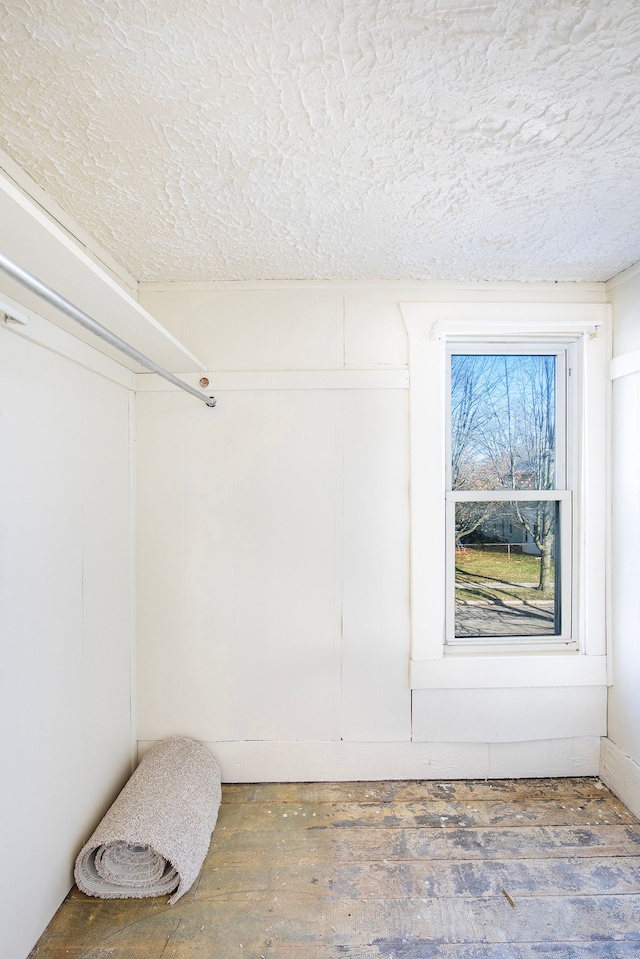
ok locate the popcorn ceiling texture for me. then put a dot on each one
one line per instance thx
(349, 139)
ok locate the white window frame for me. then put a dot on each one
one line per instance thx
(576, 659)
(567, 362)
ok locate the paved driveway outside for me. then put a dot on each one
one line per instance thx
(497, 619)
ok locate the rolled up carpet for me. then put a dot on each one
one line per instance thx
(154, 838)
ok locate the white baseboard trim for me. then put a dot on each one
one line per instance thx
(344, 761)
(621, 774)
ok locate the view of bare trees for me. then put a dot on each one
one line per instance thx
(503, 436)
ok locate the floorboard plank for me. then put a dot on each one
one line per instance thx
(459, 790)
(415, 880)
(364, 844)
(436, 812)
(250, 926)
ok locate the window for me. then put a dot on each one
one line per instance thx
(508, 493)
(508, 515)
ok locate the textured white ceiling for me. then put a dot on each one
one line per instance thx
(347, 139)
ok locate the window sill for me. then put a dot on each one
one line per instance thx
(516, 670)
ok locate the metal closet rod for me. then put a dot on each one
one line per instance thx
(32, 283)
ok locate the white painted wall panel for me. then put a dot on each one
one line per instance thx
(41, 630)
(238, 619)
(169, 309)
(210, 321)
(624, 712)
(257, 331)
(274, 553)
(374, 331)
(624, 694)
(376, 699)
(307, 618)
(310, 334)
(231, 567)
(107, 609)
(626, 319)
(241, 590)
(508, 715)
(160, 581)
(65, 623)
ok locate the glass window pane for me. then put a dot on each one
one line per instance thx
(506, 569)
(503, 421)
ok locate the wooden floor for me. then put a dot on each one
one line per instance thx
(404, 870)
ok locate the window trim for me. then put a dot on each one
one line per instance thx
(430, 326)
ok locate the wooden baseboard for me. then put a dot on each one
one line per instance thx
(345, 761)
(621, 774)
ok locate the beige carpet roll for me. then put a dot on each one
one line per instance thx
(153, 840)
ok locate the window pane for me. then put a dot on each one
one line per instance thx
(503, 421)
(506, 575)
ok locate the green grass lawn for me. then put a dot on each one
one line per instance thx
(493, 574)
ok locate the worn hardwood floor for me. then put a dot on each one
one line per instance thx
(393, 870)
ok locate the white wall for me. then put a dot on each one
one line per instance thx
(65, 622)
(621, 751)
(273, 551)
